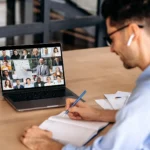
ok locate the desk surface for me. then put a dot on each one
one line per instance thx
(97, 70)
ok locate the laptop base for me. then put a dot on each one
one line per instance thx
(36, 104)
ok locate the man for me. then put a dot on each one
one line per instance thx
(18, 85)
(56, 62)
(4, 56)
(39, 83)
(7, 75)
(41, 69)
(46, 52)
(25, 54)
(128, 28)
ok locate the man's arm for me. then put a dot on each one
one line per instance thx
(83, 111)
(34, 69)
(107, 115)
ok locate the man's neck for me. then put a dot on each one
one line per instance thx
(144, 59)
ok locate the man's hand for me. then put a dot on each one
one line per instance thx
(36, 139)
(82, 111)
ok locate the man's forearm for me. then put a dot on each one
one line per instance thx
(107, 115)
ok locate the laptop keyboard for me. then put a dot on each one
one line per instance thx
(37, 95)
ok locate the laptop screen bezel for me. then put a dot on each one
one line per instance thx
(35, 46)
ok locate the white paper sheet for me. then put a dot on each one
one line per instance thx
(104, 104)
(122, 94)
(115, 101)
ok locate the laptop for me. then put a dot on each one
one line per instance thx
(32, 76)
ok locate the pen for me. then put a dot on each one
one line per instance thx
(118, 97)
(77, 100)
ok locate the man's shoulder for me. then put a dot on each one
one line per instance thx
(137, 105)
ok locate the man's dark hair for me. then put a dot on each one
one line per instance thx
(121, 11)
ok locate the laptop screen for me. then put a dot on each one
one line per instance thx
(31, 67)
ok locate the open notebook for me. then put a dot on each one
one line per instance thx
(68, 131)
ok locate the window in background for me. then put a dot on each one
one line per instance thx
(76, 38)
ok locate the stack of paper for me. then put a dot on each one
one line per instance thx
(114, 101)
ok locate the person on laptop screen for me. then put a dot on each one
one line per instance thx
(35, 53)
(4, 56)
(39, 83)
(49, 83)
(6, 66)
(28, 83)
(41, 69)
(15, 55)
(6, 75)
(25, 54)
(59, 81)
(46, 52)
(18, 85)
(55, 52)
(56, 62)
(58, 72)
(7, 85)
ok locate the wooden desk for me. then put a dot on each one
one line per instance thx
(97, 70)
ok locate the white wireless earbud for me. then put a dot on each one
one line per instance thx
(130, 40)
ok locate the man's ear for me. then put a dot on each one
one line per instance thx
(134, 29)
(133, 33)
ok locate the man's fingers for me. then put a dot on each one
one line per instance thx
(34, 127)
(75, 110)
(75, 117)
(29, 127)
(70, 101)
(70, 115)
(79, 118)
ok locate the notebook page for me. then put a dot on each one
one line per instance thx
(68, 133)
(85, 124)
